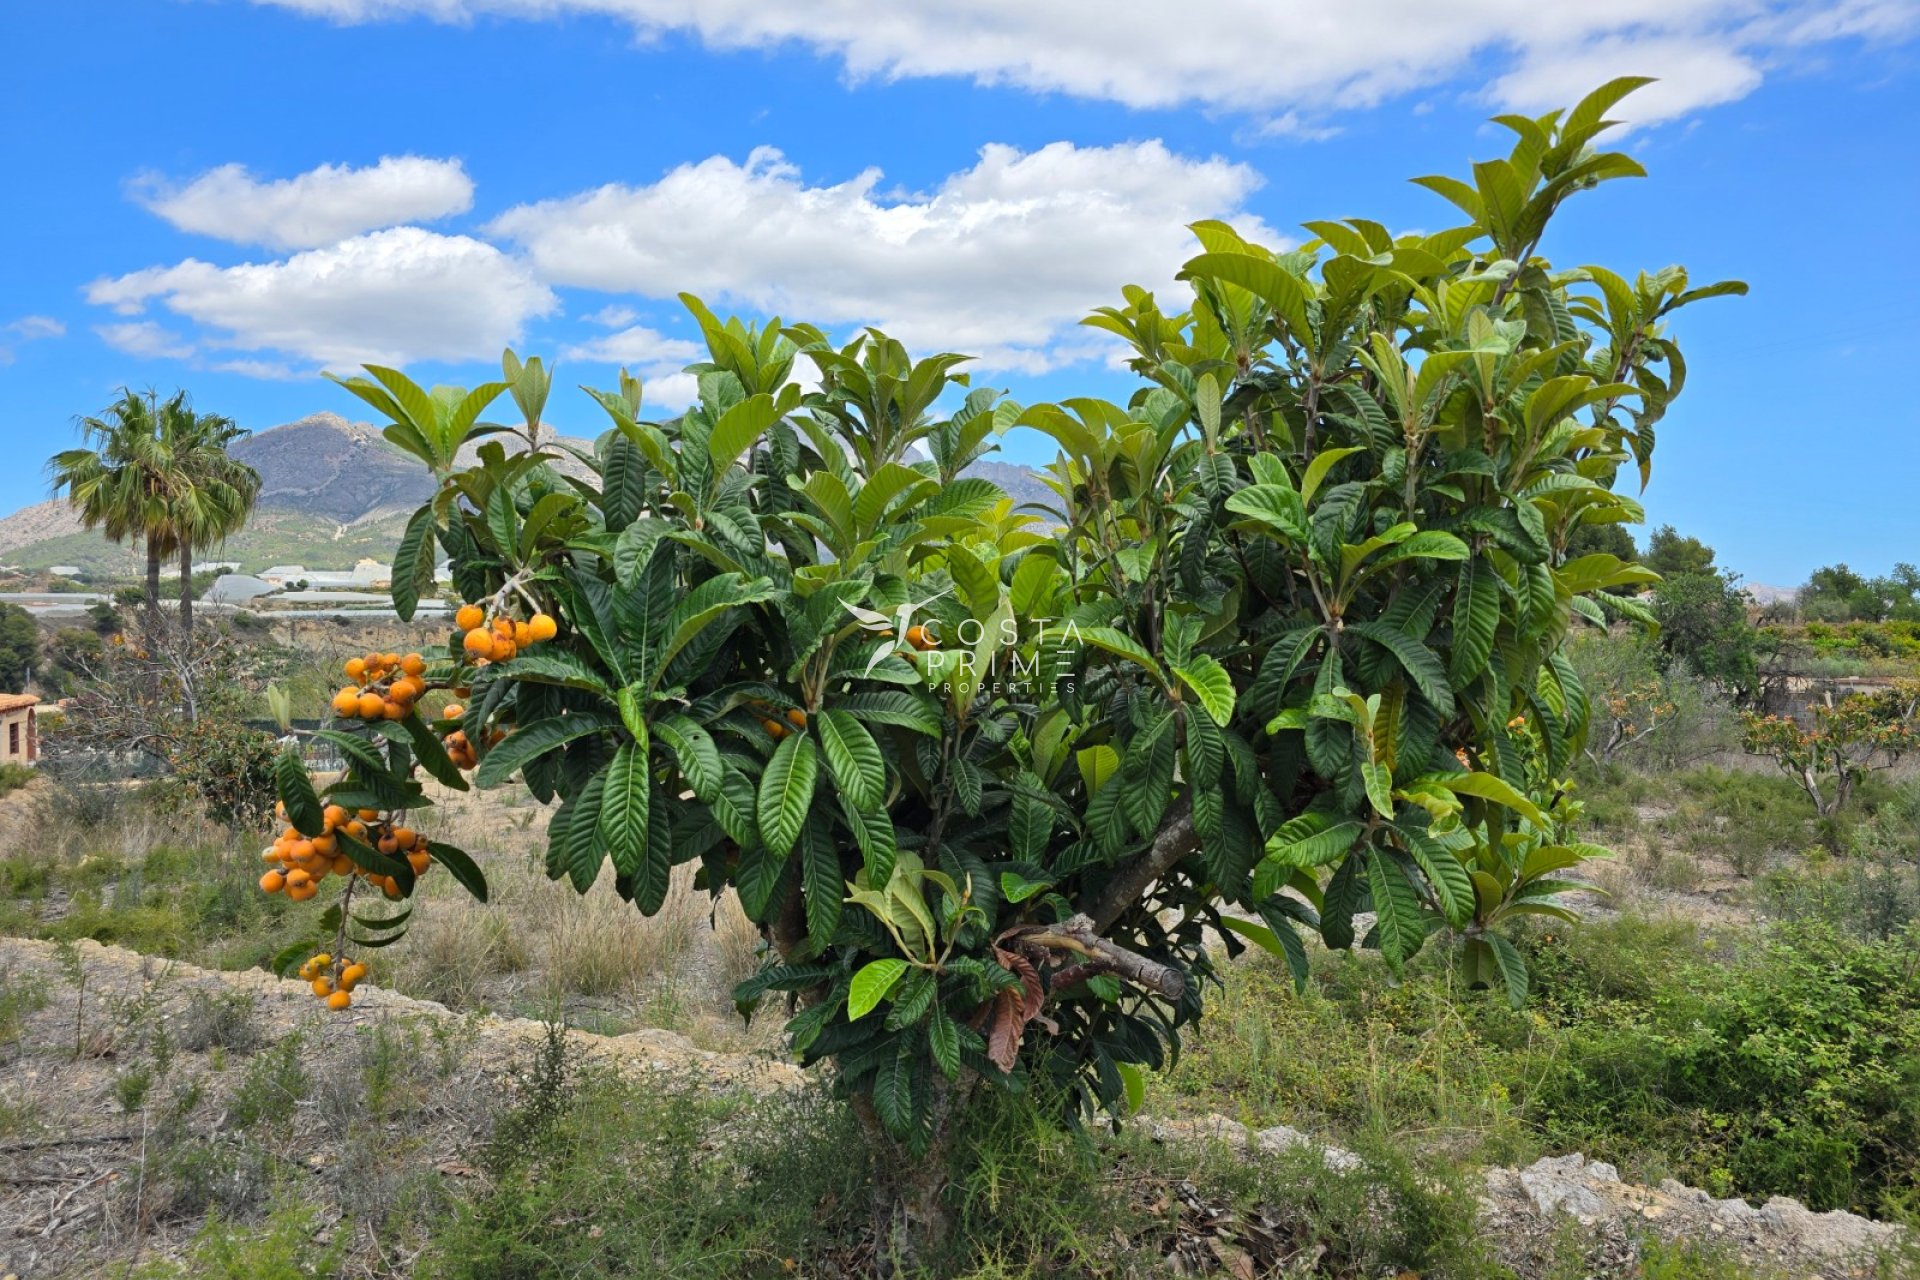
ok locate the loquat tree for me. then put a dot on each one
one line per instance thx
(1846, 739)
(1284, 653)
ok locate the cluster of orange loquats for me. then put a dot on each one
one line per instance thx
(385, 687)
(333, 980)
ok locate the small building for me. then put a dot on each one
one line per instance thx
(283, 575)
(19, 728)
(65, 570)
(236, 588)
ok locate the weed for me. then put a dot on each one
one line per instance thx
(283, 1248)
(276, 1080)
(218, 1020)
(20, 995)
(130, 1088)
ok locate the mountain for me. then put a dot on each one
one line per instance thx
(331, 492)
(1023, 484)
(326, 466)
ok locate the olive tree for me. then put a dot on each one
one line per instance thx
(1284, 652)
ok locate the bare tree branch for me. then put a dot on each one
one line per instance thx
(1174, 841)
(1079, 936)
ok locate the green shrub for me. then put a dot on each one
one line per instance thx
(15, 776)
(1774, 1063)
(1789, 1069)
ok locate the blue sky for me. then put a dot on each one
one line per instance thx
(231, 196)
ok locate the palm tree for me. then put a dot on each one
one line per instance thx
(159, 473)
(117, 486)
(213, 494)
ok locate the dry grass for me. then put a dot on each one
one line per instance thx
(537, 946)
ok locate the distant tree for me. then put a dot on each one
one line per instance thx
(1670, 555)
(1838, 594)
(67, 658)
(19, 648)
(1601, 539)
(1703, 623)
(1903, 593)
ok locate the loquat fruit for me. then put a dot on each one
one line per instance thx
(469, 617)
(542, 627)
(273, 882)
(339, 1000)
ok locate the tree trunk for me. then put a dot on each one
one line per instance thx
(186, 591)
(153, 584)
(913, 1219)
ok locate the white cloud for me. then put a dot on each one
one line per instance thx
(1251, 55)
(27, 329)
(668, 391)
(32, 328)
(145, 339)
(387, 297)
(315, 208)
(612, 317)
(638, 347)
(270, 370)
(1000, 261)
(1691, 73)
(655, 358)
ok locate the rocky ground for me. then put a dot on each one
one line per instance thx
(110, 1060)
(1524, 1207)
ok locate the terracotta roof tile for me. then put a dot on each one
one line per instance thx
(15, 701)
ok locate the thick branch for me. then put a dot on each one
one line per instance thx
(1079, 935)
(1174, 841)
